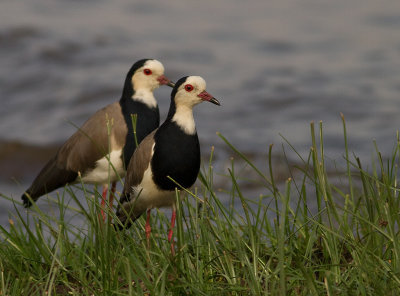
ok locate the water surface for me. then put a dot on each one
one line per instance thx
(274, 65)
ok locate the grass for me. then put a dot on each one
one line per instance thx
(274, 245)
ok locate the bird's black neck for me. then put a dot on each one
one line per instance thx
(172, 110)
(128, 91)
(148, 119)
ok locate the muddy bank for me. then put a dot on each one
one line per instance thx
(20, 161)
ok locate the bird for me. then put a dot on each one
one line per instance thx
(170, 152)
(100, 150)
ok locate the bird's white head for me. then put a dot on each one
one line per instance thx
(190, 91)
(149, 76)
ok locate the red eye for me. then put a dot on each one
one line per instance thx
(188, 87)
(147, 71)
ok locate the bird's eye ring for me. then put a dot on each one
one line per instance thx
(188, 87)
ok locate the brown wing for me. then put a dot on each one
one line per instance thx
(81, 151)
(91, 142)
(139, 163)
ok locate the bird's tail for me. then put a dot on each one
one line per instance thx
(50, 178)
(126, 212)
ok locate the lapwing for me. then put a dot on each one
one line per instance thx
(168, 156)
(100, 150)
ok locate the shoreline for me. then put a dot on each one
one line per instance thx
(19, 160)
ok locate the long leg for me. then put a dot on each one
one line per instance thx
(171, 231)
(111, 198)
(148, 227)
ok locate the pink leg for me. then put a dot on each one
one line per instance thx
(171, 231)
(103, 202)
(148, 227)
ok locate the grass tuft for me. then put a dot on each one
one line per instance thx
(226, 243)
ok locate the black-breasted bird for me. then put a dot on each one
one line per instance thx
(171, 151)
(100, 150)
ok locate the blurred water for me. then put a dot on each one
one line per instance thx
(275, 66)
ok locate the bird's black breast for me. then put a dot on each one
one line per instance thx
(176, 154)
(148, 119)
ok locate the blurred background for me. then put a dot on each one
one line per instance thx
(274, 65)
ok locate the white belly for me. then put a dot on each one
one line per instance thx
(147, 195)
(110, 168)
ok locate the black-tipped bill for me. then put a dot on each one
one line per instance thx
(165, 81)
(205, 96)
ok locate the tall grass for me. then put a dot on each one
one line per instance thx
(226, 243)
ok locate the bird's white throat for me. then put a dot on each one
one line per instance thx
(145, 96)
(184, 119)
